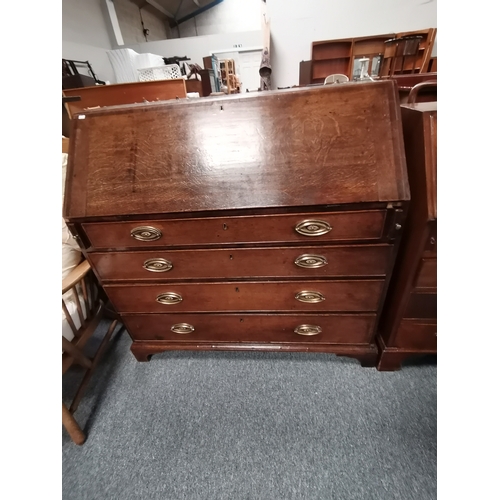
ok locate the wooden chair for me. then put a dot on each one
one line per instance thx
(83, 308)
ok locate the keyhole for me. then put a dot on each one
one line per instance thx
(222, 108)
(230, 257)
(224, 226)
(241, 321)
(237, 289)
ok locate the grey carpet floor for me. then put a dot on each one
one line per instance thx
(248, 425)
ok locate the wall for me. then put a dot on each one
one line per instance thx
(129, 19)
(200, 46)
(295, 24)
(230, 16)
(85, 35)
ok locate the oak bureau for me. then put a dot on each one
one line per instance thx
(408, 323)
(263, 221)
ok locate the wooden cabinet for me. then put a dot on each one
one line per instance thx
(124, 93)
(409, 320)
(267, 221)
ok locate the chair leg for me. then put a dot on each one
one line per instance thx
(72, 426)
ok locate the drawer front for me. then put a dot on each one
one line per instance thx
(427, 274)
(417, 335)
(305, 228)
(299, 262)
(312, 296)
(422, 305)
(337, 329)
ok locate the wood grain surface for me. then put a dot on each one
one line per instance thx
(361, 261)
(335, 328)
(362, 295)
(307, 146)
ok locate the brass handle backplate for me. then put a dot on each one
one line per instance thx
(157, 265)
(169, 298)
(182, 328)
(310, 261)
(313, 227)
(310, 297)
(308, 330)
(146, 233)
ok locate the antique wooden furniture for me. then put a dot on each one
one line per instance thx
(265, 221)
(343, 55)
(400, 56)
(124, 93)
(407, 83)
(82, 309)
(408, 324)
(305, 72)
(79, 290)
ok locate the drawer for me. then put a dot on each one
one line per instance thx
(416, 335)
(323, 328)
(296, 262)
(427, 274)
(321, 296)
(317, 227)
(421, 305)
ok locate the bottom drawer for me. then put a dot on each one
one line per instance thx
(418, 335)
(322, 328)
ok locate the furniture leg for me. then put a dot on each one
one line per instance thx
(72, 426)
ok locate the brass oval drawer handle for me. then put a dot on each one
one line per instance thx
(313, 227)
(307, 330)
(182, 328)
(310, 297)
(146, 233)
(157, 265)
(169, 298)
(310, 261)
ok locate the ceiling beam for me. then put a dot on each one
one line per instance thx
(157, 6)
(199, 11)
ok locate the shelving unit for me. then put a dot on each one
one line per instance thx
(341, 55)
(329, 57)
(371, 48)
(424, 50)
(228, 75)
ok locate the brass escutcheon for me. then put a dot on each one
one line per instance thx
(157, 265)
(169, 298)
(308, 330)
(310, 261)
(310, 297)
(313, 227)
(146, 233)
(182, 328)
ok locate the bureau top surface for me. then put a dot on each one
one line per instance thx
(335, 144)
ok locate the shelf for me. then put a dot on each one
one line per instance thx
(331, 50)
(337, 56)
(331, 58)
(321, 69)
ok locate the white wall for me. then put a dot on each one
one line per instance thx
(129, 19)
(200, 46)
(295, 24)
(230, 16)
(85, 35)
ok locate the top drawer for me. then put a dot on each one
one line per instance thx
(310, 227)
